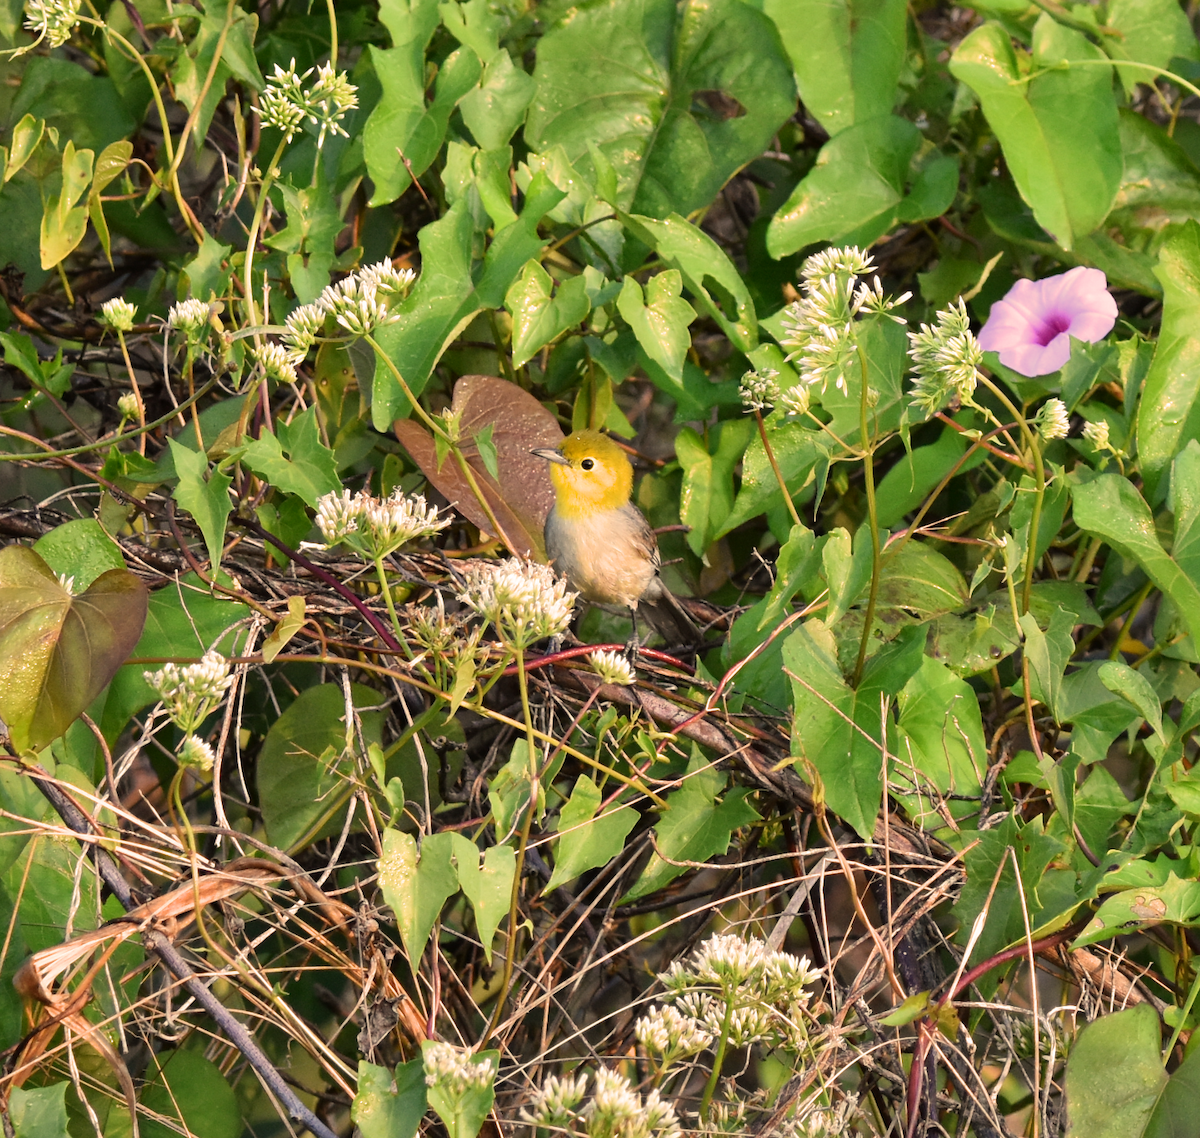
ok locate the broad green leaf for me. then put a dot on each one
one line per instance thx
(1185, 505)
(539, 318)
(838, 729)
(183, 620)
(904, 487)
(1134, 688)
(489, 889)
(846, 567)
(58, 651)
(659, 319)
(475, 24)
(207, 500)
(1159, 192)
(222, 27)
(80, 550)
(285, 629)
(1149, 31)
(1116, 1086)
(401, 126)
(447, 297)
(40, 1112)
(306, 767)
(586, 840)
(1115, 1075)
(797, 450)
(206, 276)
(1109, 507)
(313, 222)
(1058, 129)
(25, 138)
(1049, 653)
(921, 581)
(847, 55)
(939, 743)
(1169, 408)
(707, 494)
(387, 1105)
(310, 469)
(1008, 913)
(865, 180)
(109, 166)
(463, 1109)
(64, 223)
(439, 306)
(697, 824)
(416, 884)
(190, 1092)
(513, 247)
(707, 271)
(1175, 901)
(674, 99)
(494, 109)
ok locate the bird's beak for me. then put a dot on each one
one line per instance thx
(551, 455)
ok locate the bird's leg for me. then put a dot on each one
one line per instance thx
(633, 645)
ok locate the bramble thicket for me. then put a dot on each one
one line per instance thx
(327, 807)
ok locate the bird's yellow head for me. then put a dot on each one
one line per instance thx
(590, 474)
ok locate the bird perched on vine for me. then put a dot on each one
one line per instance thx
(601, 542)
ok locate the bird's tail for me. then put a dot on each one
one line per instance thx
(664, 613)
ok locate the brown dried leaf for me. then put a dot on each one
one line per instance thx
(523, 497)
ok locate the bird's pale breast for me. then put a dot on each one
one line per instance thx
(609, 557)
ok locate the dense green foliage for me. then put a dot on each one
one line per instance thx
(271, 272)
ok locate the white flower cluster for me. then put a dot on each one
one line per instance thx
(275, 361)
(52, 20)
(286, 104)
(759, 992)
(359, 304)
(524, 601)
(612, 667)
(795, 400)
(301, 329)
(1052, 420)
(118, 314)
(758, 388)
(374, 527)
(191, 317)
(945, 357)
(190, 693)
(127, 405)
(819, 328)
(455, 1071)
(356, 305)
(1096, 433)
(667, 1033)
(196, 753)
(615, 1109)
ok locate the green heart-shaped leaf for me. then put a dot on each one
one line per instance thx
(57, 651)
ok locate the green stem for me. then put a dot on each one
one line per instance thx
(762, 434)
(510, 950)
(722, 1044)
(333, 36)
(1039, 477)
(387, 597)
(255, 225)
(137, 393)
(872, 519)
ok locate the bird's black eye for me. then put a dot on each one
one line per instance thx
(587, 464)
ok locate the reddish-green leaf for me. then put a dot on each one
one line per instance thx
(57, 651)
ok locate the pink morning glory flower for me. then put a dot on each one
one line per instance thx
(1031, 327)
